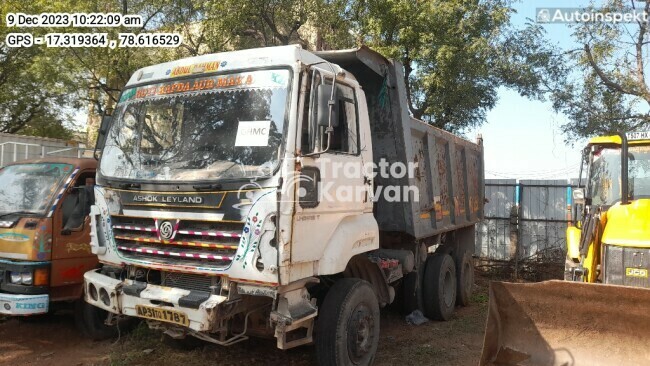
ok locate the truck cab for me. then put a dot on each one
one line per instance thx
(44, 233)
(240, 194)
(611, 241)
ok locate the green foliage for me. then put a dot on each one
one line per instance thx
(456, 54)
(607, 91)
(31, 97)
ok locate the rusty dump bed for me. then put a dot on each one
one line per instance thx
(567, 323)
(449, 174)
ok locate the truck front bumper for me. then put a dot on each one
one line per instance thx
(11, 304)
(125, 297)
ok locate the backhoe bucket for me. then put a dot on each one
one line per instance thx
(567, 323)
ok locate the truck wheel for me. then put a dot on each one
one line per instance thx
(439, 287)
(347, 328)
(90, 321)
(464, 278)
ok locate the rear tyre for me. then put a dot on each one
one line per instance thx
(439, 287)
(90, 320)
(347, 328)
(464, 278)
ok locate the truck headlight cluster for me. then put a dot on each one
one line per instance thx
(37, 277)
(22, 278)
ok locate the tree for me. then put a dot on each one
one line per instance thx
(608, 92)
(456, 54)
(30, 95)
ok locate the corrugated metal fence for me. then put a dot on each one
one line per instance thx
(15, 148)
(525, 219)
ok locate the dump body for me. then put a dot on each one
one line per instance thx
(448, 173)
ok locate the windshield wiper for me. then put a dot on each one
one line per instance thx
(19, 213)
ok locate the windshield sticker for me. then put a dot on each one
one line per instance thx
(253, 133)
(197, 85)
(194, 69)
(252, 80)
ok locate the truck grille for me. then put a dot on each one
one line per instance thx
(627, 266)
(189, 281)
(193, 243)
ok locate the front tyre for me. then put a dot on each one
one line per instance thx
(347, 329)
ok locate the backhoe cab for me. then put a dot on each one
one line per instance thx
(610, 242)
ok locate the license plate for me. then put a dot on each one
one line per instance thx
(165, 315)
(636, 272)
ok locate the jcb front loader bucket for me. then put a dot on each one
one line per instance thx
(567, 323)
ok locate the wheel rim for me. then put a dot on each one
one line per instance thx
(361, 326)
(448, 289)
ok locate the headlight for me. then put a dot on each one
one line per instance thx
(22, 278)
(27, 277)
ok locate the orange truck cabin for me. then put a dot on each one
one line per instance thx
(44, 233)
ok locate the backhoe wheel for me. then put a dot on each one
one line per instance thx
(439, 287)
(464, 278)
(90, 321)
(347, 329)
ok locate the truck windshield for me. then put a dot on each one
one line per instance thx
(203, 128)
(605, 175)
(30, 188)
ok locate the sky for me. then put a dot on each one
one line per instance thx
(523, 138)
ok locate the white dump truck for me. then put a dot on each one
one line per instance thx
(277, 192)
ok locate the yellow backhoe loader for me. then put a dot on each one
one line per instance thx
(600, 313)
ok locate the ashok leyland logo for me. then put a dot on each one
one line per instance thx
(166, 230)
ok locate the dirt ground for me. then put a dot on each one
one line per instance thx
(54, 341)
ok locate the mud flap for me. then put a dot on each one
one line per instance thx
(566, 323)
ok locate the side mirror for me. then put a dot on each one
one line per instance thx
(578, 196)
(325, 99)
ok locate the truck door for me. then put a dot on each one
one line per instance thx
(71, 256)
(331, 187)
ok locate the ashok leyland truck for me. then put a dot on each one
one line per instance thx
(277, 192)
